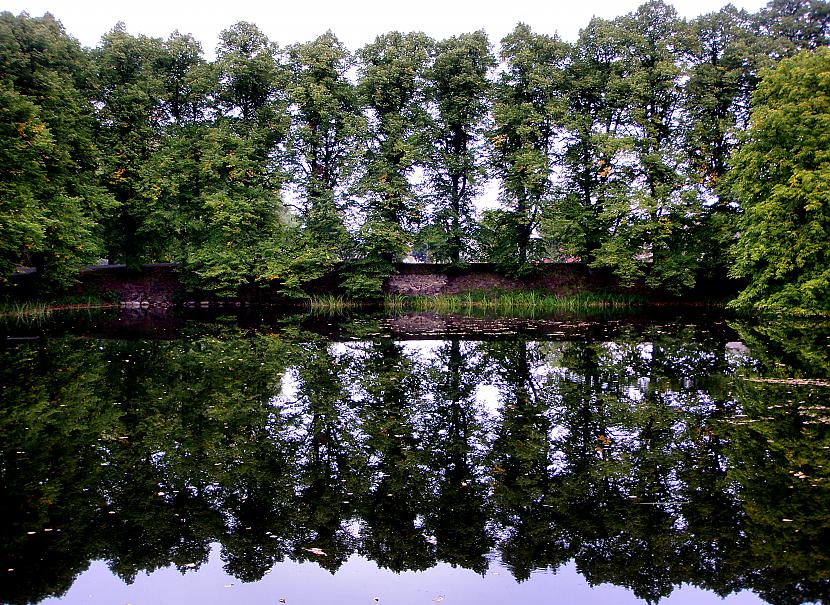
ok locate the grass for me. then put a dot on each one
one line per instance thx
(330, 304)
(528, 302)
(36, 310)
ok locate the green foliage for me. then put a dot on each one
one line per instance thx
(455, 158)
(527, 104)
(325, 136)
(127, 92)
(49, 191)
(614, 150)
(780, 176)
(391, 87)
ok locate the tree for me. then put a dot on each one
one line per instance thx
(594, 170)
(128, 94)
(793, 25)
(248, 71)
(457, 89)
(326, 131)
(390, 82)
(652, 227)
(724, 62)
(50, 194)
(781, 177)
(526, 108)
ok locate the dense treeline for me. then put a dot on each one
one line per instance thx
(272, 164)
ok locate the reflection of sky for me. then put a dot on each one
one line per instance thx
(360, 582)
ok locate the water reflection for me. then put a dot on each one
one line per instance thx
(668, 454)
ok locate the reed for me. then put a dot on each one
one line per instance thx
(330, 304)
(36, 310)
(513, 302)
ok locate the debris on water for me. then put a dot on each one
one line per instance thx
(438, 599)
(317, 551)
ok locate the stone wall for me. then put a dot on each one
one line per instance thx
(426, 280)
(156, 285)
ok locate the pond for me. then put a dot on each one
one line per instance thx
(414, 459)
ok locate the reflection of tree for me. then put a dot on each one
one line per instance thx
(49, 467)
(778, 458)
(457, 512)
(390, 400)
(332, 470)
(521, 455)
(651, 461)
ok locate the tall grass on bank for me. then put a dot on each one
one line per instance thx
(26, 310)
(506, 303)
(36, 310)
(330, 304)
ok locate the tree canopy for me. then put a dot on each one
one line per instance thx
(781, 176)
(279, 165)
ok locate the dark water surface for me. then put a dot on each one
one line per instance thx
(414, 459)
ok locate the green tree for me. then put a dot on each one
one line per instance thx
(457, 89)
(793, 25)
(780, 176)
(324, 141)
(651, 233)
(594, 170)
(50, 195)
(248, 71)
(527, 107)
(391, 85)
(128, 94)
(723, 64)
(186, 79)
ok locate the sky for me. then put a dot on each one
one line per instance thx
(354, 22)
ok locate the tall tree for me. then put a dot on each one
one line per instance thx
(780, 176)
(455, 161)
(390, 81)
(651, 228)
(594, 167)
(527, 106)
(50, 194)
(248, 71)
(722, 73)
(793, 25)
(326, 132)
(128, 94)
(184, 78)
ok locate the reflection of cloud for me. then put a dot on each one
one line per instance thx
(487, 395)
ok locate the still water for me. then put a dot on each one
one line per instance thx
(414, 459)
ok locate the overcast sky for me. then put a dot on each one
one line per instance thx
(354, 22)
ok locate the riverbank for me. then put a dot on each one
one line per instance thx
(425, 286)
